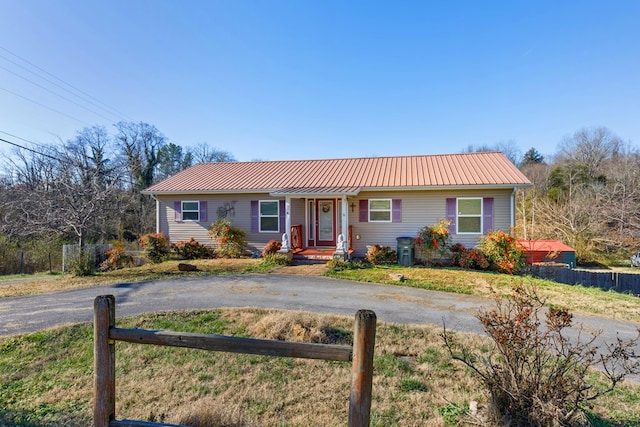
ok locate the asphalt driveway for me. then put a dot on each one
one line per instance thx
(19, 315)
(395, 304)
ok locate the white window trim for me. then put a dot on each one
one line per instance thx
(390, 210)
(182, 210)
(260, 216)
(458, 215)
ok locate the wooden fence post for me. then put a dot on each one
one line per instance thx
(362, 371)
(104, 361)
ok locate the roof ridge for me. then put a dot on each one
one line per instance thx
(363, 157)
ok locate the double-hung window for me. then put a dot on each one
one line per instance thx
(191, 210)
(469, 215)
(269, 215)
(379, 210)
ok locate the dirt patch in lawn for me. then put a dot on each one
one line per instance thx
(303, 270)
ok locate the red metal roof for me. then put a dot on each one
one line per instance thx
(545, 246)
(439, 171)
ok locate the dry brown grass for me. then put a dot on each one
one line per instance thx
(298, 327)
(39, 285)
(241, 390)
(414, 377)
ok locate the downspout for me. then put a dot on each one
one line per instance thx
(513, 207)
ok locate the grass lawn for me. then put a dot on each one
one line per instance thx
(46, 377)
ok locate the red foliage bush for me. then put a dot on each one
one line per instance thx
(271, 247)
(192, 249)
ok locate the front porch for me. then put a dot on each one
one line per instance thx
(318, 254)
(322, 231)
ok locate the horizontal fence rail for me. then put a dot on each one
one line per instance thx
(234, 344)
(606, 280)
(106, 334)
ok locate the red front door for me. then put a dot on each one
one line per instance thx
(326, 222)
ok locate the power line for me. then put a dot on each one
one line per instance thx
(113, 110)
(44, 106)
(29, 149)
(56, 94)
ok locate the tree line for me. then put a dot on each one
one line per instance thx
(587, 196)
(87, 189)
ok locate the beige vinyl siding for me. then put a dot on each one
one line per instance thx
(420, 208)
(240, 217)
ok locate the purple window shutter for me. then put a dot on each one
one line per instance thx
(283, 216)
(487, 214)
(396, 210)
(364, 210)
(254, 216)
(203, 211)
(451, 214)
(177, 214)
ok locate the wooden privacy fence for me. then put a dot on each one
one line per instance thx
(619, 282)
(106, 334)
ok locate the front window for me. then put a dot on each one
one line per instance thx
(379, 210)
(269, 215)
(470, 215)
(191, 211)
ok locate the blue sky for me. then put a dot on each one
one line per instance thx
(303, 79)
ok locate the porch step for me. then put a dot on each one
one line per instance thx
(313, 255)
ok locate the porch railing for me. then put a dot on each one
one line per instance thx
(296, 237)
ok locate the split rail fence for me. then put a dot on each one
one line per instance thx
(106, 334)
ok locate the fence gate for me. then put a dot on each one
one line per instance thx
(106, 333)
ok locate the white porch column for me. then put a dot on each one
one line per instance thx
(158, 230)
(345, 218)
(287, 208)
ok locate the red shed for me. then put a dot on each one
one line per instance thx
(548, 251)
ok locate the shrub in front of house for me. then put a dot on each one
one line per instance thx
(229, 239)
(276, 259)
(380, 255)
(468, 258)
(433, 242)
(192, 249)
(156, 247)
(503, 253)
(271, 247)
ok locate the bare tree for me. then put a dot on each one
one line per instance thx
(65, 191)
(203, 153)
(508, 148)
(140, 144)
(590, 148)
